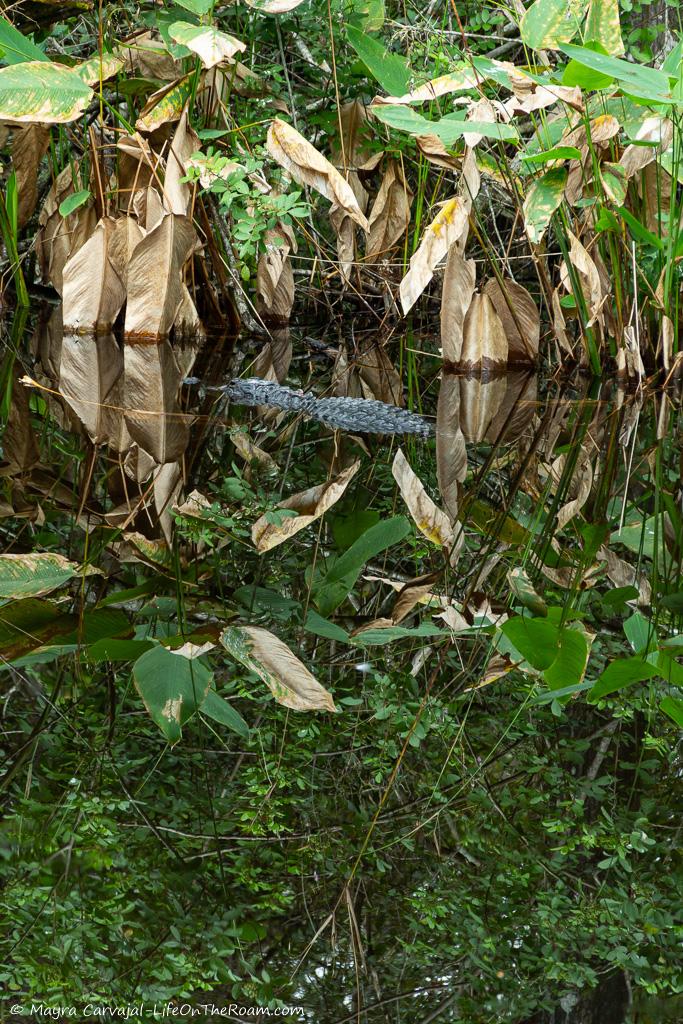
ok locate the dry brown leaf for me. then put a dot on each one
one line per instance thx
(60, 237)
(306, 165)
(152, 378)
(122, 243)
(410, 595)
(428, 517)
(451, 454)
(177, 193)
(448, 227)
(600, 130)
(19, 445)
(136, 169)
(434, 150)
(483, 111)
(93, 293)
(658, 131)
(249, 451)
(379, 377)
(520, 318)
(459, 283)
(345, 226)
(274, 275)
(589, 278)
(155, 293)
(288, 679)
(390, 214)
(623, 574)
(146, 57)
(579, 486)
(29, 146)
(484, 344)
(309, 505)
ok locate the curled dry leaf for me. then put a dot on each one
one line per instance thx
(147, 57)
(520, 318)
(309, 167)
(60, 237)
(274, 276)
(93, 292)
(378, 375)
(155, 293)
(448, 227)
(428, 517)
(459, 282)
(345, 226)
(29, 146)
(484, 344)
(288, 679)
(309, 505)
(579, 486)
(410, 595)
(390, 214)
(194, 505)
(434, 150)
(463, 78)
(658, 132)
(177, 193)
(589, 278)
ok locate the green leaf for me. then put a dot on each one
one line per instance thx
(543, 198)
(198, 7)
(537, 640)
(614, 182)
(323, 627)
(639, 632)
(448, 129)
(620, 673)
(673, 707)
(331, 590)
(639, 231)
(549, 696)
(172, 688)
(25, 625)
(33, 575)
(73, 201)
(523, 590)
(387, 634)
(585, 78)
(572, 657)
(113, 649)
(548, 23)
(390, 70)
(38, 92)
(15, 47)
(603, 27)
(221, 711)
(636, 79)
(556, 153)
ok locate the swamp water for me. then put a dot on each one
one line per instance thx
(486, 827)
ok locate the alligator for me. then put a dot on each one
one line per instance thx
(357, 415)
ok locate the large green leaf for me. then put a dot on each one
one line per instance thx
(336, 584)
(635, 79)
(40, 92)
(449, 129)
(15, 47)
(390, 70)
(33, 575)
(603, 27)
(548, 23)
(172, 688)
(543, 198)
(673, 707)
(221, 711)
(537, 640)
(620, 673)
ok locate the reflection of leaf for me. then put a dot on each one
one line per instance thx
(428, 517)
(288, 679)
(40, 92)
(89, 370)
(309, 506)
(33, 575)
(151, 384)
(306, 165)
(154, 277)
(172, 687)
(210, 44)
(451, 454)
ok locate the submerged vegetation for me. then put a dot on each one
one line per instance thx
(341, 510)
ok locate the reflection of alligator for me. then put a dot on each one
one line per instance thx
(360, 415)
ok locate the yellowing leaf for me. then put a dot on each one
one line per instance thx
(274, 6)
(97, 70)
(210, 44)
(288, 679)
(549, 23)
(461, 79)
(428, 517)
(602, 26)
(165, 105)
(40, 92)
(543, 198)
(309, 506)
(449, 226)
(33, 575)
(305, 164)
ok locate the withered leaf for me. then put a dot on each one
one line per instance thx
(155, 292)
